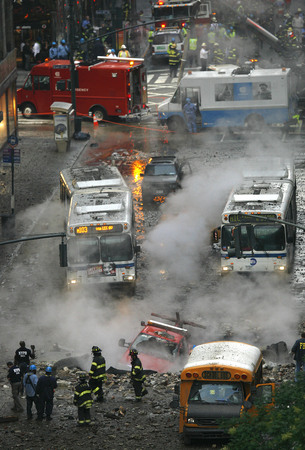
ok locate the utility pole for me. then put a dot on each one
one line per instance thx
(77, 120)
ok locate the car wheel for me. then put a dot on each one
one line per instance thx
(100, 113)
(176, 124)
(28, 110)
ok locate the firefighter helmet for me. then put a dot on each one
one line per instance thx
(96, 349)
(133, 352)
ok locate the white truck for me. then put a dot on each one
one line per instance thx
(232, 96)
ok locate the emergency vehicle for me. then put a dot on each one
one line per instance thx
(162, 347)
(251, 240)
(163, 37)
(112, 87)
(233, 97)
(220, 381)
(101, 245)
(168, 13)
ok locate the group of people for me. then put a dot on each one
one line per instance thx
(40, 391)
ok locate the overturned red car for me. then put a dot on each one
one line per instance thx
(162, 347)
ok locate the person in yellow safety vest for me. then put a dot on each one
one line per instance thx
(174, 58)
(218, 55)
(193, 52)
(150, 37)
(183, 30)
(124, 53)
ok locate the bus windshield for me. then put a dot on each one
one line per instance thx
(92, 250)
(216, 393)
(264, 238)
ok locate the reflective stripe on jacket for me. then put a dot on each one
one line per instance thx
(98, 368)
(137, 370)
(82, 395)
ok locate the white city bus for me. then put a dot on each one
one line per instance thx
(101, 245)
(248, 242)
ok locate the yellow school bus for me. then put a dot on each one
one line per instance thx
(220, 380)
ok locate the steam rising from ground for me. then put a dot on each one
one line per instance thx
(260, 311)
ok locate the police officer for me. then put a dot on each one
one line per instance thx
(45, 393)
(173, 61)
(53, 52)
(14, 378)
(97, 374)
(189, 111)
(63, 50)
(83, 400)
(137, 375)
(298, 349)
(22, 359)
(30, 380)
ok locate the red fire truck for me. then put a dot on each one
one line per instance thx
(108, 88)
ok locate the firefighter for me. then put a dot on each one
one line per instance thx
(174, 58)
(189, 111)
(126, 10)
(232, 56)
(83, 400)
(22, 359)
(45, 388)
(137, 375)
(124, 53)
(172, 42)
(97, 373)
(218, 55)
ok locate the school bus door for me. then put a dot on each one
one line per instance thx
(261, 394)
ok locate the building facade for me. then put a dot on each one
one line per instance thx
(8, 74)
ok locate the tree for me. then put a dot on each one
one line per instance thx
(279, 428)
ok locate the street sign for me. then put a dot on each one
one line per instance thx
(12, 140)
(7, 155)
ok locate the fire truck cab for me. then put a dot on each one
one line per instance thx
(108, 88)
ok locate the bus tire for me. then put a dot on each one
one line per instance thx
(100, 113)
(28, 110)
(254, 122)
(176, 123)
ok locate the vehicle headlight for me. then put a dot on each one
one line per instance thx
(280, 268)
(190, 420)
(128, 277)
(227, 268)
(73, 282)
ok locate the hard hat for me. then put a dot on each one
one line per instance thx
(109, 51)
(82, 376)
(151, 28)
(49, 369)
(173, 40)
(112, 50)
(53, 43)
(123, 46)
(32, 367)
(214, 19)
(82, 40)
(216, 44)
(290, 29)
(96, 349)
(63, 41)
(133, 352)
(188, 100)
(203, 44)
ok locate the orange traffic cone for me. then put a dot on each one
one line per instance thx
(95, 122)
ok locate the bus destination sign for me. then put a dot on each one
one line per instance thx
(95, 229)
(241, 218)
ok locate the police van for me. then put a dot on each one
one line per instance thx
(162, 38)
(232, 96)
